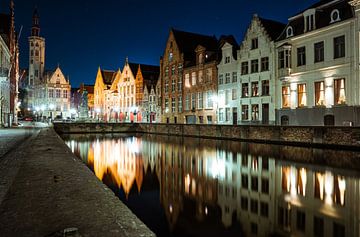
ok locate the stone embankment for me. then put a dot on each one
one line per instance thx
(316, 136)
(52, 193)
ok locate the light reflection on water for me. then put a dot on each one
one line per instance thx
(213, 188)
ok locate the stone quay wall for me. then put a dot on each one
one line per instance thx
(316, 136)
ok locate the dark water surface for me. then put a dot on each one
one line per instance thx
(201, 187)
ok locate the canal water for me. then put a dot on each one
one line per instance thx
(201, 187)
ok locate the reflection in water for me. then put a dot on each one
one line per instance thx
(214, 188)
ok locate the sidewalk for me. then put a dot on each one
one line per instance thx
(53, 191)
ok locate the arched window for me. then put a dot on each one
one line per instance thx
(289, 32)
(284, 120)
(335, 16)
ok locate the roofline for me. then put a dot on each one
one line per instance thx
(319, 7)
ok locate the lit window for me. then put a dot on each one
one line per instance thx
(319, 93)
(254, 66)
(254, 89)
(301, 95)
(187, 80)
(193, 78)
(255, 112)
(200, 100)
(245, 90)
(244, 112)
(339, 91)
(286, 96)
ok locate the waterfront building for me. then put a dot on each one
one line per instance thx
(9, 68)
(180, 52)
(256, 67)
(90, 97)
(200, 82)
(106, 100)
(228, 89)
(48, 91)
(317, 62)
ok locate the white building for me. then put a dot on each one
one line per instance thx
(318, 66)
(228, 87)
(256, 67)
(4, 83)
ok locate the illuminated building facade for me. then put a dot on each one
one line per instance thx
(318, 67)
(4, 83)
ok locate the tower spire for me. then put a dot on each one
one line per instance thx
(35, 29)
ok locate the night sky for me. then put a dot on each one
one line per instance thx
(82, 35)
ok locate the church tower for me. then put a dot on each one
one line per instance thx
(36, 53)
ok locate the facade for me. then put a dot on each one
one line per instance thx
(4, 83)
(317, 65)
(180, 52)
(200, 84)
(256, 67)
(228, 90)
(9, 68)
(106, 102)
(48, 92)
(90, 98)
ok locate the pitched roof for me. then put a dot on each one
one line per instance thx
(108, 76)
(273, 28)
(134, 68)
(150, 74)
(230, 39)
(188, 42)
(322, 16)
(89, 88)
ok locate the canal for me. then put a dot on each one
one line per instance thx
(200, 187)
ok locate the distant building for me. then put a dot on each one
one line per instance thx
(49, 92)
(90, 97)
(318, 66)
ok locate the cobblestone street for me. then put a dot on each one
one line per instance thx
(9, 138)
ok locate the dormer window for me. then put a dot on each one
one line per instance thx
(289, 32)
(335, 16)
(227, 59)
(254, 43)
(309, 20)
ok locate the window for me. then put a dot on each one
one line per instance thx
(209, 100)
(254, 206)
(265, 87)
(289, 32)
(234, 77)
(173, 70)
(227, 59)
(173, 107)
(170, 56)
(244, 68)
(244, 161)
(227, 78)
(193, 78)
(166, 87)
(200, 100)
(335, 16)
(264, 209)
(166, 71)
(339, 47)
(187, 80)
(173, 85)
(319, 52)
(265, 64)
(36, 73)
(255, 112)
(285, 96)
(319, 93)
(180, 68)
(193, 101)
(187, 102)
(284, 217)
(309, 22)
(254, 184)
(254, 43)
(221, 114)
(221, 79)
(180, 104)
(208, 75)
(318, 227)
(300, 220)
(265, 186)
(58, 92)
(301, 88)
(65, 94)
(227, 96)
(244, 203)
(254, 66)
(254, 88)
(244, 181)
(301, 56)
(201, 76)
(166, 105)
(234, 94)
(285, 58)
(227, 114)
(245, 90)
(179, 84)
(339, 91)
(244, 112)
(51, 93)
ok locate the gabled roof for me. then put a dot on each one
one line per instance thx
(273, 28)
(188, 42)
(230, 39)
(134, 68)
(150, 74)
(322, 16)
(108, 76)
